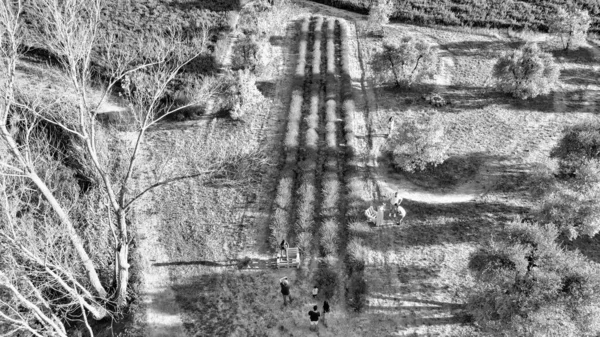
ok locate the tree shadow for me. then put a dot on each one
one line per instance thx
(245, 263)
(437, 224)
(475, 98)
(580, 76)
(419, 300)
(582, 55)
(483, 49)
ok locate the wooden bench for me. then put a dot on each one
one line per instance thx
(291, 261)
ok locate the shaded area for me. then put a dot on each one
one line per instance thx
(451, 172)
(580, 55)
(435, 224)
(228, 304)
(580, 76)
(483, 49)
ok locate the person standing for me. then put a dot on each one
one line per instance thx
(390, 127)
(284, 246)
(325, 310)
(314, 318)
(285, 290)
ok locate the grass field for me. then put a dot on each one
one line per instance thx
(416, 274)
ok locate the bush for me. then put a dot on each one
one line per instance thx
(578, 144)
(327, 281)
(406, 62)
(526, 72)
(571, 27)
(244, 53)
(529, 278)
(246, 95)
(419, 143)
(357, 289)
(329, 236)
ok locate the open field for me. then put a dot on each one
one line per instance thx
(311, 154)
(416, 274)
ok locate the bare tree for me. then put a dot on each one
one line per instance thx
(70, 30)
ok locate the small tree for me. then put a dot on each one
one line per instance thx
(526, 72)
(379, 14)
(571, 27)
(419, 143)
(406, 62)
(533, 287)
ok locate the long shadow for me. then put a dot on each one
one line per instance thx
(580, 76)
(417, 300)
(436, 224)
(192, 263)
(484, 49)
(246, 263)
(462, 98)
(582, 55)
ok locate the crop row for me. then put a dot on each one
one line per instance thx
(283, 199)
(329, 231)
(347, 96)
(532, 14)
(355, 185)
(307, 191)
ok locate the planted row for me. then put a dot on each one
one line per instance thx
(355, 185)
(329, 231)
(347, 97)
(283, 200)
(306, 192)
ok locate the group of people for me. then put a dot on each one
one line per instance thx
(314, 314)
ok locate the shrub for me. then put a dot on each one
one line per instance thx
(244, 53)
(357, 289)
(246, 96)
(573, 205)
(327, 281)
(526, 72)
(406, 62)
(329, 236)
(571, 27)
(419, 143)
(578, 144)
(533, 275)
(304, 240)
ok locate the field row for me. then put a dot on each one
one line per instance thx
(319, 145)
(532, 14)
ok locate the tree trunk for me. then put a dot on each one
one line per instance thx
(121, 260)
(75, 239)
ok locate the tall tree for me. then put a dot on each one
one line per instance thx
(71, 30)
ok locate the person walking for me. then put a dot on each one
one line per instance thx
(285, 290)
(325, 310)
(315, 291)
(314, 318)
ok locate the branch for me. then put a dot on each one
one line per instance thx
(167, 181)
